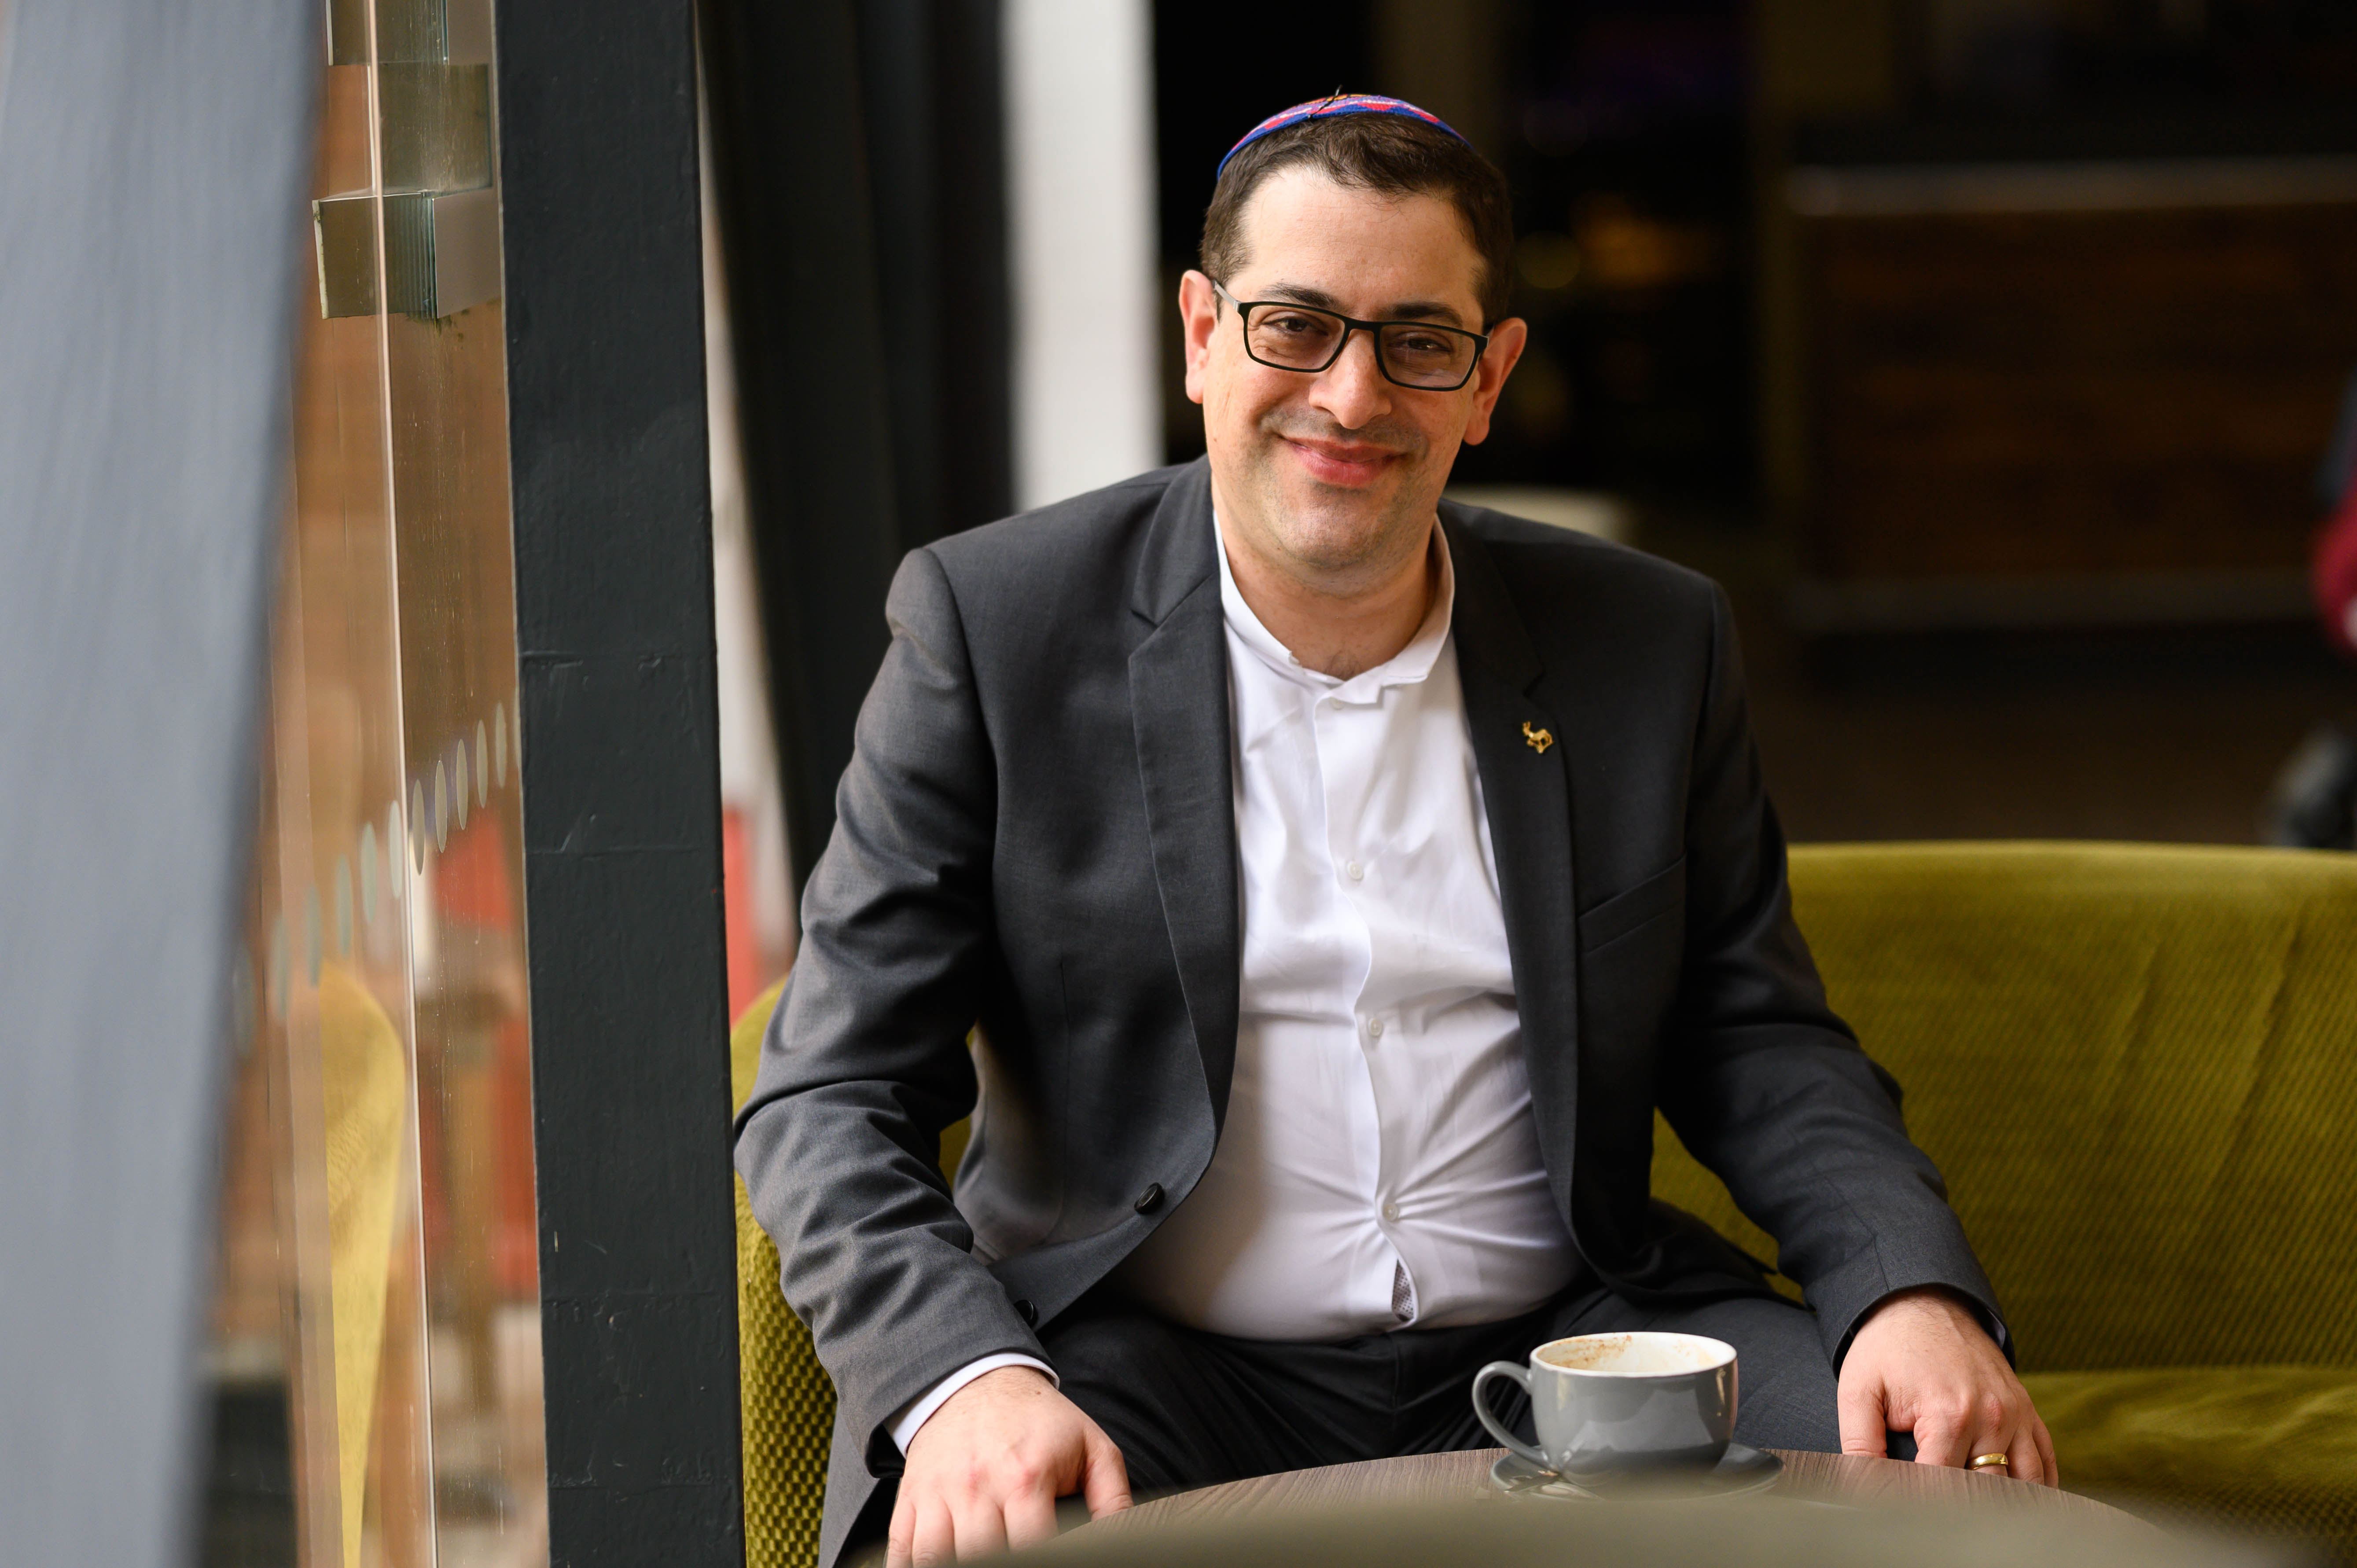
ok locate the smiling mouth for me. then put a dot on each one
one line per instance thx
(1345, 463)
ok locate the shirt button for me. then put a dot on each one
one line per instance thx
(1375, 1028)
(1150, 1199)
(1354, 871)
(1390, 1213)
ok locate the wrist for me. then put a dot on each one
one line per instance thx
(1939, 1297)
(912, 1417)
(1943, 1303)
(1922, 1304)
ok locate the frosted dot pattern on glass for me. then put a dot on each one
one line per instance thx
(395, 883)
(370, 871)
(367, 873)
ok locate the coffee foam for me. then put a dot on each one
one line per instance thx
(1633, 1354)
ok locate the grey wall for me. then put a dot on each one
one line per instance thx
(153, 156)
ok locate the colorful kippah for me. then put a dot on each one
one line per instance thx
(1340, 103)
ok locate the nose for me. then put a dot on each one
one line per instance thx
(1351, 389)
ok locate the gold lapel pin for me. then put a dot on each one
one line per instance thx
(1540, 739)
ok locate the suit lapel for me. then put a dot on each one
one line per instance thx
(1179, 704)
(1518, 749)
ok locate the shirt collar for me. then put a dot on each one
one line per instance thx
(1406, 668)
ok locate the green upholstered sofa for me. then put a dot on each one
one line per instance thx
(2137, 1068)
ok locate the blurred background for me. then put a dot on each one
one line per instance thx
(1990, 351)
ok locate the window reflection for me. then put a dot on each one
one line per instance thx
(375, 1337)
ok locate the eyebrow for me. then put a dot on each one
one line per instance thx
(1406, 310)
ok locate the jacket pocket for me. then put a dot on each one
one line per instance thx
(1659, 895)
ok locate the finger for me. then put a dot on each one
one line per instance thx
(1863, 1418)
(1993, 1430)
(1941, 1443)
(1030, 1518)
(979, 1526)
(2046, 1451)
(899, 1539)
(933, 1538)
(1860, 1408)
(2023, 1461)
(1104, 1481)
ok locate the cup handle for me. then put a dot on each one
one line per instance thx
(1481, 1409)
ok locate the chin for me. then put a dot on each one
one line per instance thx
(1334, 528)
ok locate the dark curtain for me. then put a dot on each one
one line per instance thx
(857, 148)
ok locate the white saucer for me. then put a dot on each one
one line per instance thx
(1740, 1472)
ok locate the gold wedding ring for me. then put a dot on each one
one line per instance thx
(1991, 1461)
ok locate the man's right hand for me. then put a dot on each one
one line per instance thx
(984, 1471)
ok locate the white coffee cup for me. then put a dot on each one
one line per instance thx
(1608, 1403)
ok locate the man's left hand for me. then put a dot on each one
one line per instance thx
(1922, 1362)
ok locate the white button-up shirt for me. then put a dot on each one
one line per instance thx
(1379, 1165)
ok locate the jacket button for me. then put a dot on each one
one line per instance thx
(1027, 1313)
(1150, 1199)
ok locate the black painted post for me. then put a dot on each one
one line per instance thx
(613, 569)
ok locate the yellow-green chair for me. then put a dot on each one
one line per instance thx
(2137, 1069)
(789, 1402)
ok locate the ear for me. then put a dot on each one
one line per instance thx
(1198, 315)
(1507, 340)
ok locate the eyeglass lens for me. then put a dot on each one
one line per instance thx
(1298, 338)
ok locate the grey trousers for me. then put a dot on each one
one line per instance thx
(1190, 1409)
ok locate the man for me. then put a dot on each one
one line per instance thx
(1336, 880)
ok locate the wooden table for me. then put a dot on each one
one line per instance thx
(1838, 1478)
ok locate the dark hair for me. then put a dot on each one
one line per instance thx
(1390, 155)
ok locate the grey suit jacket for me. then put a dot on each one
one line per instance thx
(1035, 833)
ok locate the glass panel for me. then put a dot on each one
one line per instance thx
(448, 380)
(375, 1347)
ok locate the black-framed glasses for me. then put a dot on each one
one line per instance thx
(1421, 355)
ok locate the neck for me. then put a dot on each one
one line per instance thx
(1339, 630)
